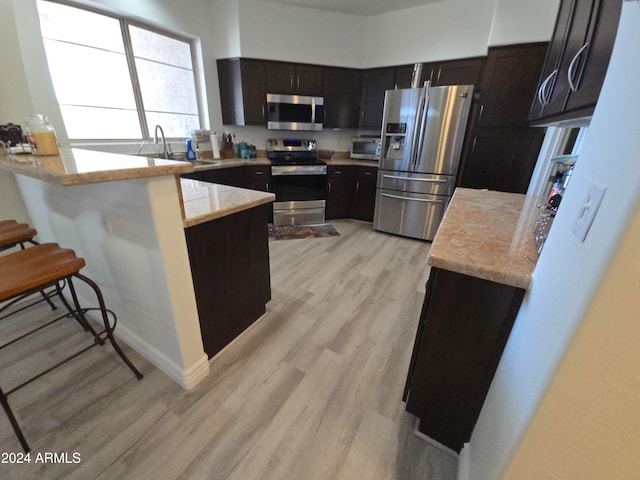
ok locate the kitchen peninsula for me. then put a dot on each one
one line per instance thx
(126, 216)
(482, 260)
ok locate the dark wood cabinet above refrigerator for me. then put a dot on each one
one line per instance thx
(576, 62)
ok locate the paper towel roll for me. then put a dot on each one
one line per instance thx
(215, 145)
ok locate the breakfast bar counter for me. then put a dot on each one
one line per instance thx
(126, 217)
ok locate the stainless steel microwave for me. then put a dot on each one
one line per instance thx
(365, 148)
(294, 112)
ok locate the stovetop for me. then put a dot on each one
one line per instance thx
(289, 151)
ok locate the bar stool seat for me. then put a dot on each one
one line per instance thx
(32, 269)
(13, 233)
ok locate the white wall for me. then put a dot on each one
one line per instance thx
(523, 21)
(437, 31)
(286, 32)
(565, 281)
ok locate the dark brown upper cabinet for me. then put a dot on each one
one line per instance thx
(576, 62)
(243, 91)
(508, 83)
(375, 82)
(294, 79)
(456, 72)
(342, 87)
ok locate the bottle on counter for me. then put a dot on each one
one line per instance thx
(191, 155)
(198, 152)
(41, 135)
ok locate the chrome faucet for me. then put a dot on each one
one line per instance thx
(165, 152)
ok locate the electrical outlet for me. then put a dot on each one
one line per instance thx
(588, 211)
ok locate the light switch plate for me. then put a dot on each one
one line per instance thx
(588, 211)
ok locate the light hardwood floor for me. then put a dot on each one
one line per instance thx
(312, 391)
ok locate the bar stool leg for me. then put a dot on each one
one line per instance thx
(78, 313)
(14, 422)
(107, 325)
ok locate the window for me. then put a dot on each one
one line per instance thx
(116, 80)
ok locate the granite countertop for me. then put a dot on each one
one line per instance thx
(75, 166)
(204, 201)
(210, 164)
(489, 235)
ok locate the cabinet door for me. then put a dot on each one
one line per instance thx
(309, 80)
(363, 200)
(242, 84)
(281, 78)
(404, 74)
(459, 72)
(233, 176)
(338, 191)
(508, 83)
(254, 91)
(341, 97)
(258, 177)
(502, 159)
(590, 61)
(375, 83)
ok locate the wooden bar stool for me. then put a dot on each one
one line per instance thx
(13, 233)
(39, 267)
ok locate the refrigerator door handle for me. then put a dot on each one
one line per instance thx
(424, 107)
(416, 129)
(423, 200)
(430, 180)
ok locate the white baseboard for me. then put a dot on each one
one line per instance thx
(463, 463)
(187, 379)
(431, 441)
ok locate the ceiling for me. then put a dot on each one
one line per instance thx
(357, 7)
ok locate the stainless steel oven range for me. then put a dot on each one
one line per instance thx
(298, 180)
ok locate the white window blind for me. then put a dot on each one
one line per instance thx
(115, 80)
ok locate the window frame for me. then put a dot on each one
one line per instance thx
(124, 23)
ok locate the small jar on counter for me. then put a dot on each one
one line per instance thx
(41, 135)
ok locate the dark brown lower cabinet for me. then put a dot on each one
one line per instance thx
(229, 260)
(363, 200)
(463, 329)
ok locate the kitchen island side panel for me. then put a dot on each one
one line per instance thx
(229, 259)
(464, 327)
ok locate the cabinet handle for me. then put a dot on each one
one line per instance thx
(473, 147)
(329, 184)
(259, 172)
(571, 73)
(544, 96)
(298, 82)
(357, 186)
(439, 72)
(263, 117)
(267, 186)
(291, 82)
(481, 112)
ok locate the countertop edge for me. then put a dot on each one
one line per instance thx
(488, 235)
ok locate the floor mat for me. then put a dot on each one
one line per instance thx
(289, 232)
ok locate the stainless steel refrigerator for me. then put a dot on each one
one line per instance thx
(422, 134)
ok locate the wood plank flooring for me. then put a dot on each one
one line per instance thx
(312, 391)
